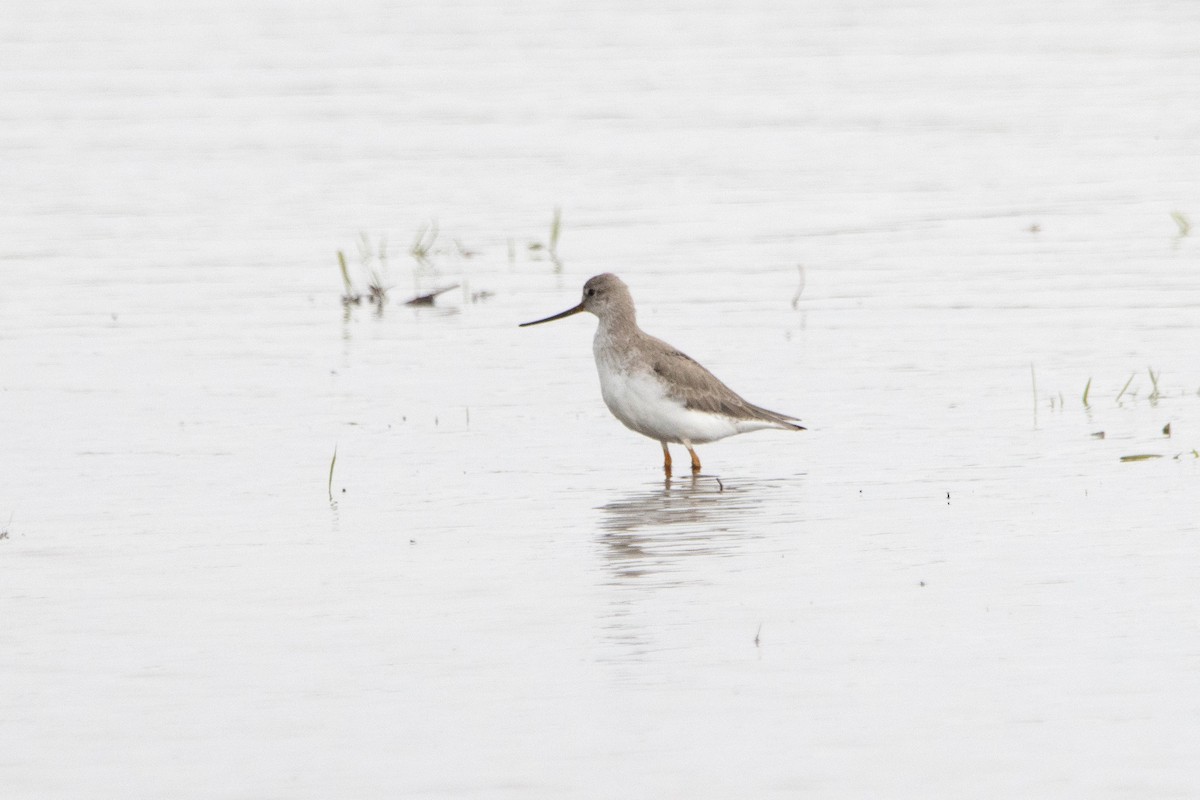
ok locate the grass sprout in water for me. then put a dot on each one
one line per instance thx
(1182, 223)
(1124, 388)
(550, 248)
(374, 261)
(1154, 392)
(422, 246)
(374, 264)
(349, 296)
(329, 484)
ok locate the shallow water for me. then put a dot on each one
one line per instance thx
(950, 581)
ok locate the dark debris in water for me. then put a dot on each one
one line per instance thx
(428, 298)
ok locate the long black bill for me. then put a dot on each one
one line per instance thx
(566, 313)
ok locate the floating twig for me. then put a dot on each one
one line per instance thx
(428, 298)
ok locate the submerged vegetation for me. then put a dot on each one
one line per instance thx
(422, 246)
(428, 257)
(373, 260)
(1155, 393)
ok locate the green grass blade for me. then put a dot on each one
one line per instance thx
(345, 272)
(555, 227)
(329, 485)
(1185, 227)
(1121, 393)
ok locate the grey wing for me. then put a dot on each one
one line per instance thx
(700, 390)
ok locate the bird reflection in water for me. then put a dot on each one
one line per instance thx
(664, 547)
(649, 532)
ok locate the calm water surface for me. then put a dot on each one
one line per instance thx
(951, 581)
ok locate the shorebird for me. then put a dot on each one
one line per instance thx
(655, 389)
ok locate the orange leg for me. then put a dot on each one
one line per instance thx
(695, 459)
(666, 459)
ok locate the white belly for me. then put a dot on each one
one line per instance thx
(639, 400)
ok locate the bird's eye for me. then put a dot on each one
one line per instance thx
(591, 293)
